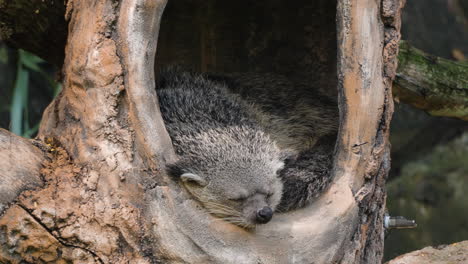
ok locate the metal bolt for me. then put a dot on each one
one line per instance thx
(398, 222)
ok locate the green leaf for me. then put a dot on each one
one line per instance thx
(20, 94)
(28, 133)
(30, 60)
(57, 89)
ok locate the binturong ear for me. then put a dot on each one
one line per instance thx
(193, 178)
(178, 171)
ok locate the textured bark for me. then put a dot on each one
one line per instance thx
(436, 85)
(444, 254)
(106, 198)
(93, 202)
(366, 107)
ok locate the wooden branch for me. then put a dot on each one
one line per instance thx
(433, 84)
(20, 164)
(365, 101)
(345, 224)
(35, 26)
(138, 49)
(444, 254)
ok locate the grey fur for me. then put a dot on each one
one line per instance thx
(295, 116)
(300, 120)
(226, 160)
(232, 135)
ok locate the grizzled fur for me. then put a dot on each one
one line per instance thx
(295, 116)
(300, 120)
(232, 134)
(226, 160)
(306, 177)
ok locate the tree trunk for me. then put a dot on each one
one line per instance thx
(106, 198)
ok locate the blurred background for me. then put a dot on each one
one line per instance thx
(428, 180)
(27, 85)
(429, 175)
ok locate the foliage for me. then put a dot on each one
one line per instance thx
(18, 107)
(432, 191)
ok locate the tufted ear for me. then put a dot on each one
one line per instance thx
(193, 178)
(178, 171)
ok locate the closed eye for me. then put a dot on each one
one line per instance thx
(239, 199)
(267, 194)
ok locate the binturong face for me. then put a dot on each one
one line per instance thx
(234, 177)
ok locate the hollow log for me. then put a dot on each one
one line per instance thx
(106, 198)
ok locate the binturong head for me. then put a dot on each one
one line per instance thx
(233, 173)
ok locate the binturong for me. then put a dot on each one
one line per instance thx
(226, 160)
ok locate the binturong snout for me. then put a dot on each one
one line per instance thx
(264, 215)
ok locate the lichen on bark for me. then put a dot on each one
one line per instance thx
(436, 85)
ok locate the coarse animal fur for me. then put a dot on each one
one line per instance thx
(232, 146)
(301, 120)
(226, 160)
(295, 116)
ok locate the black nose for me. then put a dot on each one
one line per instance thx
(264, 215)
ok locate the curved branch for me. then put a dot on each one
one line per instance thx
(138, 28)
(20, 164)
(433, 84)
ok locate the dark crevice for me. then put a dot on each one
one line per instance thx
(59, 239)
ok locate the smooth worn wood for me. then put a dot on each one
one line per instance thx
(20, 165)
(138, 50)
(433, 84)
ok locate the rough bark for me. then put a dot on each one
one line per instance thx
(443, 254)
(433, 84)
(366, 107)
(106, 198)
(94, 201)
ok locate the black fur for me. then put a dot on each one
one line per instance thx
(267, 109)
